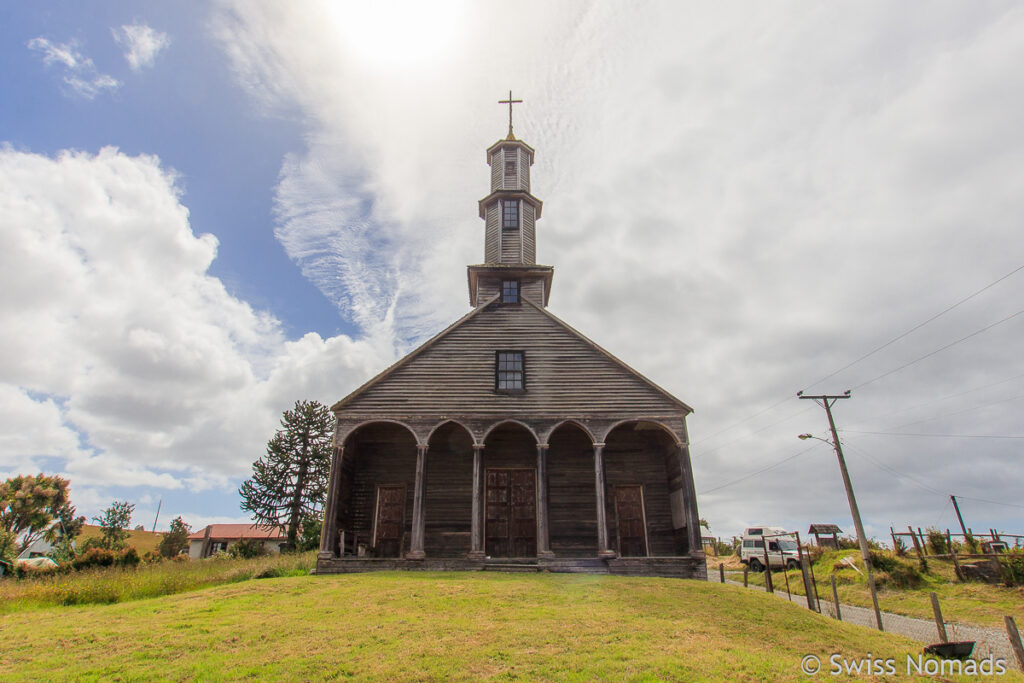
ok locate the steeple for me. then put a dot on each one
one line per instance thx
(510, 213)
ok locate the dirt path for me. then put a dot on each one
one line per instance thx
(989, 640)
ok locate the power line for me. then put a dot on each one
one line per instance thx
(993, 502)
(754, 433)
(940, 399)
(760, 471)
(959, 412)
(917, 327)
(746, 419)
(894, 471)
(929, 355)
(944, 436)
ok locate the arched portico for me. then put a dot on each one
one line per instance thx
(448, 491)
(572, 497)
(648, 491)
(509, 485)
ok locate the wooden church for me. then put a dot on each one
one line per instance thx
(510, 440)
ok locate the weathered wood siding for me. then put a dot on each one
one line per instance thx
(529, 230)
(564, 375)
(492, 234)
(497, 169)
(642, 457)
(533, 290)
(449, 492)
(378, 454)
(524, 170)
(512, 240)
(572, 501)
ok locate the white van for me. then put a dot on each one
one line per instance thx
(782, 549)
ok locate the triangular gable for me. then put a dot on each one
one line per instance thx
(453, 373)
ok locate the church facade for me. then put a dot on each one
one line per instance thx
(510, 440)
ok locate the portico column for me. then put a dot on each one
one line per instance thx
(602, 522)
(416, 551)
(476, 551)
(690, 503)
(329, 530)
(543, 537)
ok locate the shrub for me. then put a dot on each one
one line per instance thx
(247, 548)
(898, 571)
(899, 546)
(101, 557)
(1011, 563)
(937, 542)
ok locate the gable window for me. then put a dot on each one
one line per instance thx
(510, 291)
(510, 214)
(509, 371)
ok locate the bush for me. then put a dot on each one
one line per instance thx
(1011, 563)
(937, 542)
(101, 557)
(247, 548)
(897, 571)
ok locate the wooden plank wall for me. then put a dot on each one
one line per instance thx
(449, 493)
(564, 376)
(379, 454)
(572, 500)
(492, 236)
(524, 169)
(512, 242)
(638, 457)
(497, 170)
(529, 230)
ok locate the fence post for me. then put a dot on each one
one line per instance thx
(1014, 634)
(939, 623)
(835, 596)
(807, 582)
(767, 569)
(917, 544)
(956, 567)
(746, 569)
(892, 532)
(721, 572)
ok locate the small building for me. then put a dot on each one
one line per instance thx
(217, 538)
(829, 532)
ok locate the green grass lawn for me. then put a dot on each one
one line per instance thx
(967, 603)
(433, 626)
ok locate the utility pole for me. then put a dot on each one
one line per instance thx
(827, 402)
(956, 507)
(159, 505)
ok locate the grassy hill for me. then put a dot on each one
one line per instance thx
(430, 626)
(142, 541)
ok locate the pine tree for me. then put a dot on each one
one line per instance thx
(290, 481)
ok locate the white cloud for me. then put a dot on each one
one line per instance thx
(141, 44)
(115, 331)
(81, 75)
(738, 201)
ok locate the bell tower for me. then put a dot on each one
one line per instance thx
(510, 216)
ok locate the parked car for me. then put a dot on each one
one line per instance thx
(782, 548)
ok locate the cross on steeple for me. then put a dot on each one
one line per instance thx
(510, 102)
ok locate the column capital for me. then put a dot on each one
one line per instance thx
(478, 447)
(598, 445)
(543, 445)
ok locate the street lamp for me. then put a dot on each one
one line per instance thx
(862, 539)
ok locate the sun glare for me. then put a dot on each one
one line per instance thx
(399, 31)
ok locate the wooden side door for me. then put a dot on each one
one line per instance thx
(524, 513)
(511, 523)
(499, 514)
(630, 521)
(390, 522)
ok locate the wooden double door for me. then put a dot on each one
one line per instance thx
(389, 523)
(511, 513)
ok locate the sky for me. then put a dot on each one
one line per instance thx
(210, 210)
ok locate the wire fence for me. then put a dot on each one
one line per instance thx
(791, 585)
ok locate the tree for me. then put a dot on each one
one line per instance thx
(28, 504)
(290, 481)
(63, 532)
(175, 540)
(114, 525)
